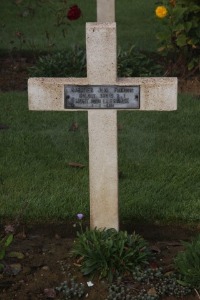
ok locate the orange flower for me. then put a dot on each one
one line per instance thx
(161, 12)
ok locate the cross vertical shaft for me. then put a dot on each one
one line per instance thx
(102, 128)
(103, 169)
(105, 10)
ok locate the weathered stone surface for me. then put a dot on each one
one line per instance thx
(156, 93)
(102, 126)
(101, 53)
(105, 10)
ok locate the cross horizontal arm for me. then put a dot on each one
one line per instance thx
(156, 93)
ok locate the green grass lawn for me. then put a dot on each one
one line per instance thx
(159, 157)
(136, 24)
(159, 154)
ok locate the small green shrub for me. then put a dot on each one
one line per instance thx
(165, 284)
(169, 285)
(71, 289)
(188, 263)
(61, 64)
(109, 253)
(118, 292)
(154, 284)
(131, 63)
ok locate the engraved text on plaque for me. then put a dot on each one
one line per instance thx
(98, 96)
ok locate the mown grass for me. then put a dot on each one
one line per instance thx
(159, 154)
(136, 24)
(159, 157)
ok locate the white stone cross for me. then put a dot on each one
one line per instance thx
(51, 94)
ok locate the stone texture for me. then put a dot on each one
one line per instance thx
(105, 10)
(102, 127)
(101, 47)
(48, 93)
(101, 53)
(158, 94)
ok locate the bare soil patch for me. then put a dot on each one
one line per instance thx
(14, 72)
(47, 261)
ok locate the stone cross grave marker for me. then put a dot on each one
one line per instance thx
(102, 94)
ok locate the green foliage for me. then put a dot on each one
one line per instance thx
(179, 37)
(109, 253)
(71, 289)
(4, 244)
(163, 284)
(118, 292)
(61, 64)
(73, 63)
(133, 63)
(188, 263)
(147, 274)
(169, 285)
(154, 284)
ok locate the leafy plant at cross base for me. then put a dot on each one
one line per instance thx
(179, 36)
(4, 244)
(110, 253)
(188, 263)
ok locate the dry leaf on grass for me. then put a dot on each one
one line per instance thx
(76, 165)
(74, 126)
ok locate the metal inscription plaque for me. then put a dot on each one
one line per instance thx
(98, 96)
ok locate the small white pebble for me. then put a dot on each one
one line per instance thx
(89, 283)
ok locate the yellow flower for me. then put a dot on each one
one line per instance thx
(161, 12)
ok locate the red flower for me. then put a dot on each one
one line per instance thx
(74, 13)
